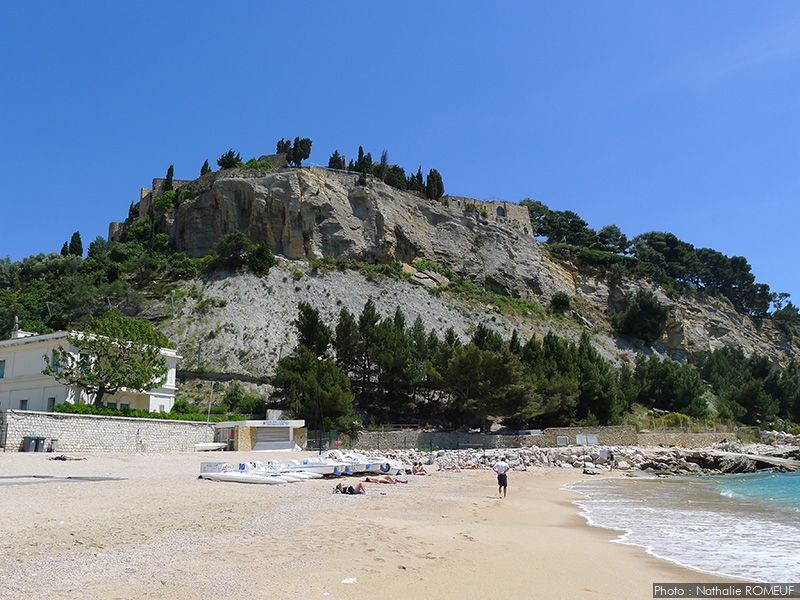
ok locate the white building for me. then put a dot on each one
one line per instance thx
(24, 387)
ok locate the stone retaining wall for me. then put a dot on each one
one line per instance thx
(606, 436)
(93, 433)
(621, 435)
(65, 432)
(683, 440)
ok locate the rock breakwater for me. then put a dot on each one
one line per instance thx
(728, 457)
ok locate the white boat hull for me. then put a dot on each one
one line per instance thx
(240, 477)
(209, 446)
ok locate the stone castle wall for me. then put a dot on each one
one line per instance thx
(65, 432)
(495, 210)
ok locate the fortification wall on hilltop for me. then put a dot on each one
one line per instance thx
(148, 196)
(496, 210)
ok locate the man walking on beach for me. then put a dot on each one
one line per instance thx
(501, 468)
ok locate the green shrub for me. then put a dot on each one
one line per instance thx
(261, 260)
(88, 409)
(645, 318)
(560, 302)
(254, 163)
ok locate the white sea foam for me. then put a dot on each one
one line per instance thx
(700, 523)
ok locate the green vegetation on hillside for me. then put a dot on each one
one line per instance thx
(50, 292)
(400, 373)
(657, 256)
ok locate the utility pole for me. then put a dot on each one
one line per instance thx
(319, 406)
(210, 400)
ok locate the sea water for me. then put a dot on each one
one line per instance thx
(744, 526)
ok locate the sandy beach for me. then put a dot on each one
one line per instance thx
(144, 526)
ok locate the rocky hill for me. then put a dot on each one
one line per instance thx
(242, 324)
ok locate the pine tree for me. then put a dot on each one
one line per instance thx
(229, 160)
(347, 342)
(336, 161)
(312, 332)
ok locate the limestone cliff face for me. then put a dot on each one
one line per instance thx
(696, 322)
(311, 213)
(305, 214)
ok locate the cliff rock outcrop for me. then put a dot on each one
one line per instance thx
(310, 213)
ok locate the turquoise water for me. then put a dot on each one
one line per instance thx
(745, 526)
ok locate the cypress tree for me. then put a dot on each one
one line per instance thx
(76, 245)
(434, 186)
(301, 150)
(168, 182)
(205, 168)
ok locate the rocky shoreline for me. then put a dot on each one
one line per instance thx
(782, 455)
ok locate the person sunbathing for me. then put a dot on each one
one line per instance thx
(454, 468)
(349, 489)
(385, 479)
(65, 457)
(418, 469)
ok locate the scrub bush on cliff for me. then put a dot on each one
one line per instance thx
(645, 318)
(229, 160)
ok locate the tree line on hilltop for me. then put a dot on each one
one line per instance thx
(432, 186)
(393, 175)
(666, 260)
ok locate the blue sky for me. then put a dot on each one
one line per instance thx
(666, 116)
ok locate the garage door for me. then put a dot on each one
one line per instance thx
(273, 438)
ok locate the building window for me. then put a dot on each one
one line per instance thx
(501, 212)
(111, 404)
(51, 404)
(23, 405)
(124, 406)
(83, 362)
(54, 361)
(2, 369)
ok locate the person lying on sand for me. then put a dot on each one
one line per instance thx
(349, 489)
(454, 468)
(65, 457)
(385, 479)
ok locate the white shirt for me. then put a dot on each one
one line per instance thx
(501, 467)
